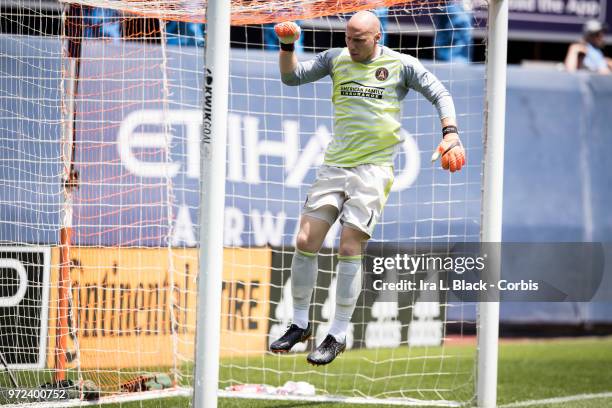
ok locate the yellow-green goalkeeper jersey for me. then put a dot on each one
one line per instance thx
(367, 99)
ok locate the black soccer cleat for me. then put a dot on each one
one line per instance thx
(292, 336)
(327, 351)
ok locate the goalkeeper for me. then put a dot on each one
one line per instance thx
(369, 83)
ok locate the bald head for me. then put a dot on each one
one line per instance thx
(362, 36)
(364, 20)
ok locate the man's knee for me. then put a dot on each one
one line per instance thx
(352, 248)
(304, 243)
(352, 242)
(311, 235)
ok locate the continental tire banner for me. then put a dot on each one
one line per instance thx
(136, 307)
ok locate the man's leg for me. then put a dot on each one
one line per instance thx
(348, 286)
(304, 266)
(366, 192)
(324, 200)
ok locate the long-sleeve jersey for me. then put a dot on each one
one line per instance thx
(367, 99)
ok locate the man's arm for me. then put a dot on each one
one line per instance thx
(288, 33)
(450, 148)
(573, 58)
(448, 122)
(609, 63)
(288, 62)
(297, 73)
(417, 77)
(293, 72)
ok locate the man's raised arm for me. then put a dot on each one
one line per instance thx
(293, 72)
(288, 33)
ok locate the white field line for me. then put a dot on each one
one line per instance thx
(557, 400)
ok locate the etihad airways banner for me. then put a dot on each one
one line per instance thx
(138, 157)
(276, 137)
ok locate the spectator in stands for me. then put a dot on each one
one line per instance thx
(453, 41)
(587, 54)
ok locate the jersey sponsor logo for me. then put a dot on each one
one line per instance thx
(382, 74)
(353, 88)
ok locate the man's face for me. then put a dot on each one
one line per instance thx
(597, 39)
(600, 39)
(361, 42)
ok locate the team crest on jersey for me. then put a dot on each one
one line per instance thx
(382, 74)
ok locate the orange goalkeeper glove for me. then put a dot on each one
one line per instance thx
(452, 153)
(287, 32)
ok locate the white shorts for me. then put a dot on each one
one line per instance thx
(358, 193)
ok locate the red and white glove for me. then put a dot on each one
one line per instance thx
(287, 32)
(452, 153)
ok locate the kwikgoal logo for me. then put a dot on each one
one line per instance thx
(24, 300)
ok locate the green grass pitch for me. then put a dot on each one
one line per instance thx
(528, 370)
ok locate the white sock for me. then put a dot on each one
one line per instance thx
(304, 268)
(348, 288)
(300, 318)
(338, 330)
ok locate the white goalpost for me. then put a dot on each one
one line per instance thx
(152, 172)
(212, 201)
(491, 218)
(492, 197)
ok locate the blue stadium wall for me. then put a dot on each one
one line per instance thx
(557, 171)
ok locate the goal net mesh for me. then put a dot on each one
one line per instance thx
(101, 114)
